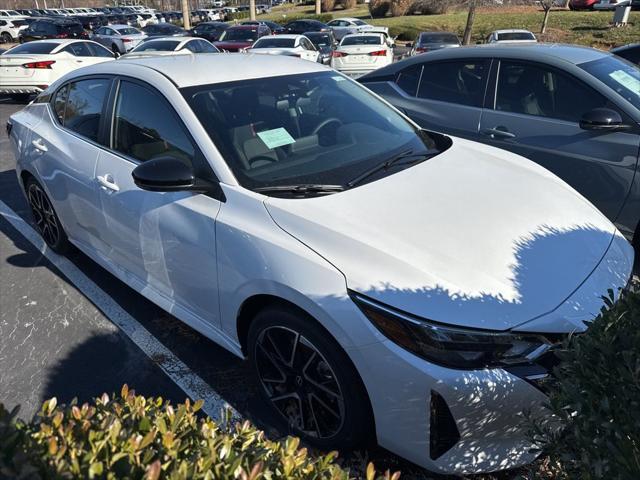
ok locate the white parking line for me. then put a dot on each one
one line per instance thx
(194, 386)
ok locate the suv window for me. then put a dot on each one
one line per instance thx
(84, 106)
(536, 90)
(407, 79)
(146, 127)
(460, 82)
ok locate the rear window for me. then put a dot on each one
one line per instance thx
(319, 39)
(439, 38)
(128, 31)
(275, 42)
(158, 46)
(515, 36)
(368, 40)
(18, 23)
(239, 35)
(33, 47)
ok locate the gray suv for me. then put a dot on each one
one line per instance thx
(573, 110)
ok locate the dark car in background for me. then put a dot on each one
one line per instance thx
(301, 26)
(91, 22)
(209, 30)
(429, 41)
(240, 37)
(46, 28)
(573, 110)
(629, 52)
(325, 42)
(275, 28)
(164, 30)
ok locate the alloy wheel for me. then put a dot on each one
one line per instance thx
(43, 214)
(299, 382)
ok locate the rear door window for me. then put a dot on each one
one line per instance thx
(78, 49)
(461, 82)
(85, 102)
(408, 78)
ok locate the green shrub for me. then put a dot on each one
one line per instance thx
(596, 399)
(237, 16)
(133, 437)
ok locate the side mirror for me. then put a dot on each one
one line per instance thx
(603, 119)
(168, 174)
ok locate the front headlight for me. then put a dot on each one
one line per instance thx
(451, 346)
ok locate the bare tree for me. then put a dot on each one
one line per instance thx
(318, 7)
(546, 5)
(471, 18)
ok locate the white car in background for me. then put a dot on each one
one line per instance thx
(382, 285)
(361, 53)
(4, 14)
(512, 36)
(347, 25)
(9, 29)
(119, 39)
(292, 45)
(171, 46)
(33, 66)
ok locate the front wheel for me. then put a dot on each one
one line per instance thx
(308, 381)
(6, 37)
(46, 219)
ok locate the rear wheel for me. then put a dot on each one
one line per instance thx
(46, 219)
(115, 49)
(6, 37)
(308, 380)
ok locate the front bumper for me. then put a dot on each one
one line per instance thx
(487, 409)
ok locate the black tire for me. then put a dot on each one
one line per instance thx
(45, 218)
(317, 360)
(6, 38)
(115, 49)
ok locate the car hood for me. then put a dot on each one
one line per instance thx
(475, 237)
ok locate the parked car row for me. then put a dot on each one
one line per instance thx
(602, 4)
(385, 278)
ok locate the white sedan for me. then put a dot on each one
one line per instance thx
(361, 53)
(292, 45)
(386, 283)
(172, 45)
(348, 25)
(512, 36)
(31, 67)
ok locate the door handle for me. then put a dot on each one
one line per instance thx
(39, 145)
(498, 132)
(108, 182)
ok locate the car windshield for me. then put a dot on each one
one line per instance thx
(315, 128)
(275, 42)
(362, 40)
(617, 74)
(509, 36)
(157, 46)
(128, 31)
(33, 48)
(319, 39)
(239, 35)
(446, 38)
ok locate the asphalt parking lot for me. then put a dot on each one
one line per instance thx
(70, 329)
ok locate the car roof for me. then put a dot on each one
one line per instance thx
(365, 34)
(513, 30)
(540, 52)
(119, 26)
(210, 68)
(289, 36)
(246, 27)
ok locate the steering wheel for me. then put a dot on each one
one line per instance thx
(324, 123)
(257, 158)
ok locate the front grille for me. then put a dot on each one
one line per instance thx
(443, 432)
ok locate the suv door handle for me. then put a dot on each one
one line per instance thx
(108, 182)
(39, 145)
(498, 132)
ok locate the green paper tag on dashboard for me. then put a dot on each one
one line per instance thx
(276, 138)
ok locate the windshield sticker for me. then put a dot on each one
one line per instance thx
(276, 138)
(626, 80)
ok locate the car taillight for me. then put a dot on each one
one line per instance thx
(62, 35)
(127, 40)
(378, 53)
(42, 64)
(421, 49)
(337, 54)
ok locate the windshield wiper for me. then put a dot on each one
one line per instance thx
(416, 158)
(302, 189)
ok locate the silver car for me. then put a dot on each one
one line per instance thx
(119, 39)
